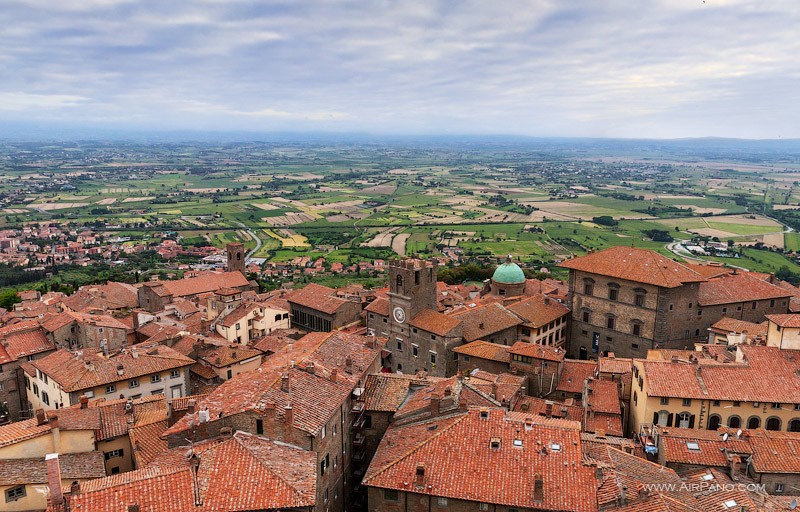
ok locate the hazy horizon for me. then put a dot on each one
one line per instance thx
(647, 71)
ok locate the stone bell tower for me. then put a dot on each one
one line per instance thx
(235, 257)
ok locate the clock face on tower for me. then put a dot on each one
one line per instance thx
(399, 315)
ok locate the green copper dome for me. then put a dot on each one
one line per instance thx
(508, 273)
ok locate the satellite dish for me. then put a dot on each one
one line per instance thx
(739, 433)
(725, 436)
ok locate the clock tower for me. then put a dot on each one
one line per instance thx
(412, 289)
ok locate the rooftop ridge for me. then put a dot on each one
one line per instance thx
(427, 440)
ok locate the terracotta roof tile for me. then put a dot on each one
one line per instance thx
(435, 322)
(539, 310)
(732, 381)
(379, 306)
(483, 321)
(75, 373)
(317, 297)
(386, 392)
(313, 394)
(536, 351)
(574, 373)
(460, 463)
(206, 283)
(633, 264)
(74, 466)
(787, 320)
(615, 365)
(22, 339)
(485, 350)
(740, 287)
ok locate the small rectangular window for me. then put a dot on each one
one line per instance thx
(174, 374)
(155, 378)
(390, 495)
(15, 493)
(111, 389)
(664, 400)
(687, 402)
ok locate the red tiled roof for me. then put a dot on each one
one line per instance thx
(732, 381)
(536, 351)
(22, 339)
(460, 463)
(603, 396)
(435, 322)
(574, 373)
(206, 283)
(75, 373)
(74, 466)
(111, 295)
(633, 264)
(483, 321)
(615, 365)
(146, 441)
(386, 392)
(379, 306)
(485, 350)
(775, 452)
(740, 287)
(539, 310)
(314, 396)
(317, 297)
(728, 325)
(787, 320)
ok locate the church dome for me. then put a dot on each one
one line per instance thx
(508, 273)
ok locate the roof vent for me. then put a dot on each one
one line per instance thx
(494, 443)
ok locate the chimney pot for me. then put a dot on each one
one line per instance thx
(75, 488)
(41, 419)
(435, 405)
(538, 488)
(288, 415)
(191, 406)
(84, 401)
(420, 474)
(54, 479)
(285, 382)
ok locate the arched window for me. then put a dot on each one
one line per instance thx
(663, 418)
(399, 281)
(754, 422)
(773, 423)
(794, 425)
(685, 420)
(714, 422)
(735, 422)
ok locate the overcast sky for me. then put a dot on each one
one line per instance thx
(601, 68)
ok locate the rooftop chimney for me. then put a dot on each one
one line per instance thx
(420, 475)
(288, 415)
(75, 488)
(285, 382)
(41, 419)
(56, 498)
(310, 367)
(494, 390)
(538, 489)
(348, 364)
(435, 403)
(334, 374)
(191, 405)
(84, 401)
(133, 507)
(548, 408)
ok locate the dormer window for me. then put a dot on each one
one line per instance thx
(494, 443)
